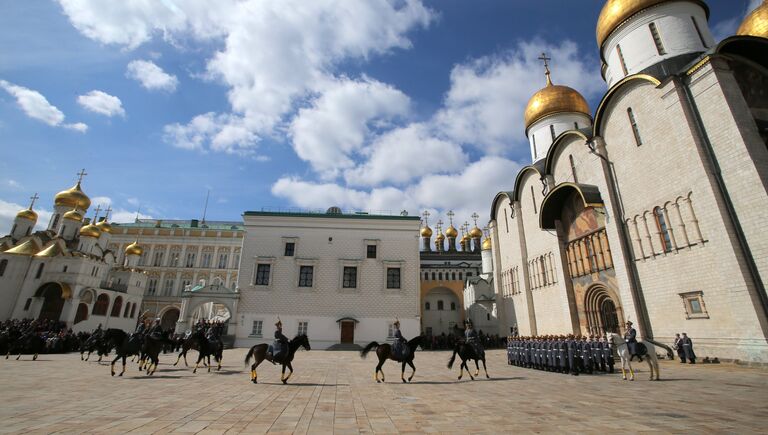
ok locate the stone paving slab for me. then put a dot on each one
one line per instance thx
(334, 392)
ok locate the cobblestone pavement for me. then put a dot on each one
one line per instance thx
(336, 392)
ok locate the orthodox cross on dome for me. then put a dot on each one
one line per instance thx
(546, 60)
(96, 216)
(80, 175)
(107, 212)
(474, 217)
(426, 215)
(450, 215)
(33, 198)
(439, 224)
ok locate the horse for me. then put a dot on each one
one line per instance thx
(623, 348)
(259, 354)
(384, 352)
(29, 342)
(187, 343)
(94, 343)
(207, 347)
(467, 352)
(150, 352)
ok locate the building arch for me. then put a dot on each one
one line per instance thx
(497, 201)
(117, 306)
(608, 97)
(82, 313)
(169, 317)
(101, 306)
(54, 295)
(549, 161)
(87, 295)
(603, 310)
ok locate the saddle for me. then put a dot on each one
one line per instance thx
(641, 352)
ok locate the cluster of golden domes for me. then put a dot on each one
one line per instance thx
(756, 23)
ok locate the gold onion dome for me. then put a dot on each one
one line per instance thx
(426, 232)
(73, 198)
(487, 244)
(451, 232)
(27, 248)
(616, 12)
(27, 213)
(134, 249)
(104, 226)
(73, 215)
(756, 23)
(476, 232)
(440, 236)
(90, 231)
(553, 99)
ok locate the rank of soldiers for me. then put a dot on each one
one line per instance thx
(561, 354)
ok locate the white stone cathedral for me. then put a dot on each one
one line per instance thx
(66, 272)
(649, 208)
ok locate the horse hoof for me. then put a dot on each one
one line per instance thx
(624, 379)
(113, 373)
(487, 377)
(285, 381)
(120, 374)
(404, 381)
(378, 381)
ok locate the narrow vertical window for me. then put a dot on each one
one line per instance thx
(289, 249)
(506, 222)
(657, 39)
(635, 130)
(661, 225)
(371, 251)
(621, 59)
(535, 153)
(533, 199)
(3, 265)
(573, 169)
(576, 125)
(552, 131)
(698, 31)
(39, 271)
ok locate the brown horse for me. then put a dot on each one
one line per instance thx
(384, 352)
(259, 354)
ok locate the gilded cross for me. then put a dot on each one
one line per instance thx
(107, 212)
(426, 215)
(33, 198)
(96, 217)
(546, 60)
(474, 217)
(450, 215)
(439, 224)
(80, 175)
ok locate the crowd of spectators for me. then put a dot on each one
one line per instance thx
(448, 341)
(58, 338)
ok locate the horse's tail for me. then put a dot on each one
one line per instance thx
(371, 345)
(453, 358)
(248, 356)
(670, 354)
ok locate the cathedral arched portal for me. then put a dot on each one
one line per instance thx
(602, 310)
(169, 318)
(53, 294)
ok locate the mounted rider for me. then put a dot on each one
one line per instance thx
(400, 346)
(471, 337)
(156, 331)
(280, 345)
(630, 337)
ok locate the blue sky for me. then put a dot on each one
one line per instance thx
(374, 105)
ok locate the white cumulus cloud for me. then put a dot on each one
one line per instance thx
(36, 106)
(217, 132)
(151, 76)
(102, 103)
(8, 212)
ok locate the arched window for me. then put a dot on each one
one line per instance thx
(433, 276)
(453, 306)
(101, 305)
(635, 129)
(133, 310)
(573, 169)
(453, 276)
(117, 306)
(55, 222)
(426, 306)
(3, 265)
(440, 276)
(127, 309)
(461, 276)
(440, 305)
(426, 276)
(39, 271)
(661, 225)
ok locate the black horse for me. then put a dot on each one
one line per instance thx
(207, 347)
(94, 343)
(384, 352)
(29, 343)
(186, 343)
(147, 347)
(259, 354)
(467, 351)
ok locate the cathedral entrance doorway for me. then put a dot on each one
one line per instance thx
(169, 319)
(53, 300)
(603, 312)
(347, 331)
(82, 313)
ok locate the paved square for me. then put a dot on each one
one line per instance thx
(335, 392)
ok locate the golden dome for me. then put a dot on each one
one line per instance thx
(104, 226)
(616, 12)
(54, 250)
(73, 215)
(426, 232)
(73, 198)
(465, 237)
(553, 99)
(756, 23)
(27, 213)
(440, 236)
(451, 232)
(486, 244)
(475, 232)
(134, 249)
(90, 231)
(27, 248)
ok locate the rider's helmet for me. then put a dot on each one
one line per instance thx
(629, 323)
(279, 324)
(397, 323)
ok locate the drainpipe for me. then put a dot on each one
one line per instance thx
(638, 298)
(690, 107)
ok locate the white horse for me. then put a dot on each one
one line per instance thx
(623, 349)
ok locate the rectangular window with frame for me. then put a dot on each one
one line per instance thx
(371, 251)
(303, 328)
(262, 274)
(305, 276)
(190, 259)
(693, 303)
(350, 277)
(290, 249)
(393, 277)
(635, 129)
(657, 39)
(256, 328)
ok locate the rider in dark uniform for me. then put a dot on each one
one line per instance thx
(471, 337)
(630, 337)
(156, 331)
(400, 344)
(280, 344)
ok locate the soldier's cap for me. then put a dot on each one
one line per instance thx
(629, 322)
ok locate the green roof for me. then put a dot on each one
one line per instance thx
(184, 224)
(357, 215)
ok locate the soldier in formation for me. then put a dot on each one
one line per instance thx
(561, 354)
